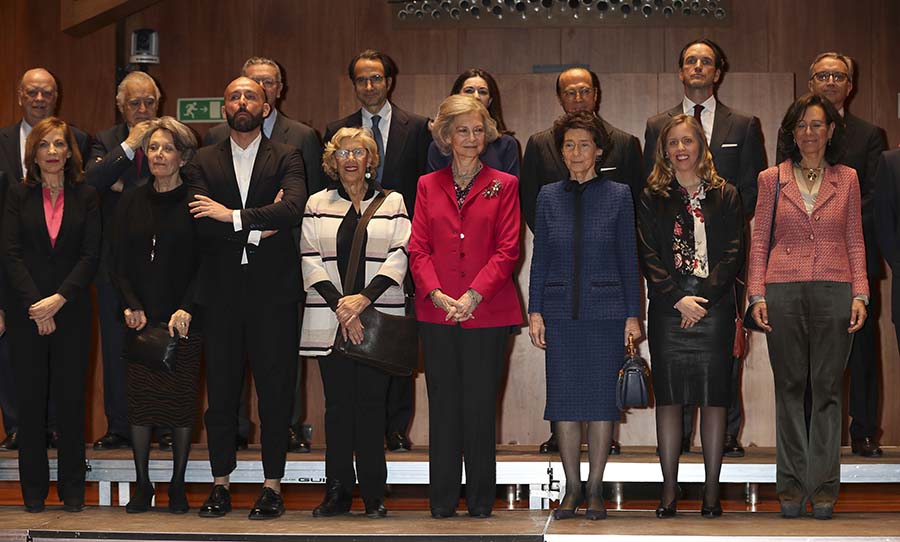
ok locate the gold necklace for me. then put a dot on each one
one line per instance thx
(812, 175)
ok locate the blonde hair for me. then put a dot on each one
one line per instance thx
(183, 137)
(454, 106)
(364, 135)
(663, 172)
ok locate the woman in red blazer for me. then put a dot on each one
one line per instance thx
(808, 288)
(463, 250)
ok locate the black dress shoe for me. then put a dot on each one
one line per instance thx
(178, 503)
(376, 509)
(615, 448)
(240, 443)
(336, 502)
(217, 504)
(866, 447)
(34, 507)
(269, 505)
(713, 511)
(731, 447)
(11, 442)
(823, 511)
(480, 513)
(112, 441)
(398, 442)
(597, 512)
(792, 509)
(74, 507)
(669, 510)
(441, 513)
(53, 440)
(140, 501)
(550, 446)
(165, 442)
(567, 513)
(297, 444)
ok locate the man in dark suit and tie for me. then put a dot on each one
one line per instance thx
(577, 89)
(278, 127)
(831, 75)
(37, 94)
(735, 141)
(117, 164)
(402, 138)
(247, 193)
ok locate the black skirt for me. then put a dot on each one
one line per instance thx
(692, 366)
(164, 399)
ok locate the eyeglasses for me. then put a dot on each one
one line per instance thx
(374, 79)
(815, 126)
(584, 92)
(136, 103)
(822, 77)
(33, 93)
(343, 154)
(267, 83)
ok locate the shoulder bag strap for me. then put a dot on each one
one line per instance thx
(356, 248)
(775, 210)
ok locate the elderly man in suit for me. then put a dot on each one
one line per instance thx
(279, 127)
(735, 141)
(36, 94)
(403, 139)
(117, 164)
(247, 194)
(577, 89)
(831, 75)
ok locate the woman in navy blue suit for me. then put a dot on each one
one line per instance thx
(501, 154)
(691, 233)
(584, 293)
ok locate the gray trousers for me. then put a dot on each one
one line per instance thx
(808, 339)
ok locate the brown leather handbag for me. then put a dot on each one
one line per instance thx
(390, 343)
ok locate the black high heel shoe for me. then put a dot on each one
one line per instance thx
(568, 513)
(178, 503)
(592, 513)
(668, 511)
(140, 501)
(713, 511)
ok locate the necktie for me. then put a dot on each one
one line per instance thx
(697, 110)
(139, 162)
(379, 142)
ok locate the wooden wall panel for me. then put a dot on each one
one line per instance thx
(614, 49)
(507, 50)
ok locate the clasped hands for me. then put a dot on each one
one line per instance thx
(43, 312)
(348, 310)
(691, 310)
(458, 310)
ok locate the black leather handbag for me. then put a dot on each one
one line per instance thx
(390, 342)
(633, 388)
(152, 347)
(749, 322)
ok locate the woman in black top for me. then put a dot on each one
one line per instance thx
(155, 264)
(51, 247)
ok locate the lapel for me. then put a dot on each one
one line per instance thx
(279, 129)
(828, 188)
(355, 120)
(721, 127)
(677, 110)
(69, 207)
(263, 155)
(555, 155)
(226, 164)
(9, 142)
(396, 141)
(446, 183)
(789, 190)
(38, 220)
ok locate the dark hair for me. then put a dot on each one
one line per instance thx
(786, 144)
(72, 172)
(390, 68)
(595, 81)
(721, 62)
(496, 108)
(583, 120)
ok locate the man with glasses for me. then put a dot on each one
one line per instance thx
(735, 141)
(831, 75)
(278, 127)
(37, 95)
(402, 138)
(577, 89)
(117, 164)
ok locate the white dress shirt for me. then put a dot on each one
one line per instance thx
(243, 160)
(707, 115)
(24, 130)
(384, 125)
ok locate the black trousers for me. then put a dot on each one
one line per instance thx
(400, 394)
(865, 373)
(112, 341)
(56, 363)
(354, 424)
(7, 388)
(267, 336)
(462, 373)
(808, 342)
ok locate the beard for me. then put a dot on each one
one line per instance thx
(244, 124)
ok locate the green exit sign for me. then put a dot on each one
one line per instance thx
(200, 109)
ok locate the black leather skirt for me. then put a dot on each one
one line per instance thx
(692, 366)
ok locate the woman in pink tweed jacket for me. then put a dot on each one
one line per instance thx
(809, 292)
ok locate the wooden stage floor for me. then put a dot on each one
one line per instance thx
(105, 523)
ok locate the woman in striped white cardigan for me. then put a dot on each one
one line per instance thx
(354, 393)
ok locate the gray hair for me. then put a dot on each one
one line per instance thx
(136, 76)
(851, 68)
(257, 60)
(185, 141)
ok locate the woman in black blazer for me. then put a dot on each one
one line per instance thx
(51, 246)
(691, 244)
